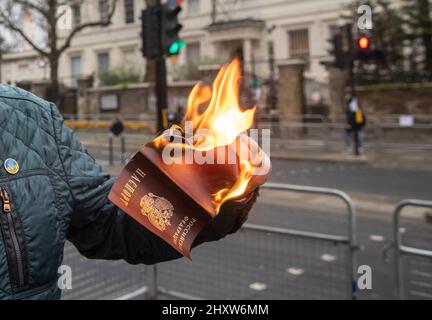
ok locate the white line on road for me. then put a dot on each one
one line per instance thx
(376, 237)
(295, 271)
(258, 286)
(133, 294)
(328, 257)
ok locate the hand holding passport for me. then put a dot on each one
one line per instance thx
(190, 190)
(230, 219)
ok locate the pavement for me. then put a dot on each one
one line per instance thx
(388, 157)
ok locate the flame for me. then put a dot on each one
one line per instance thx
(216, 111)
(223, 118)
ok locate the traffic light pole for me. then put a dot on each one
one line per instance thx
(161, 87)
(161, 92)
(351, 62)
(354, 131)
(160, 35)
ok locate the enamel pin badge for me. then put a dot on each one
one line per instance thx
(11, 166)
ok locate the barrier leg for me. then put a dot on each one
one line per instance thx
(111, 151)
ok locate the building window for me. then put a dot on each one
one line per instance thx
(193, 54)
(129, 11)
(103, 62)
(299, 44)
(193, 7)
(103, 10)
(75, 70)
(76, 15)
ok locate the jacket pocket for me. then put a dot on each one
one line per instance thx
(30, 231)
(14, 242)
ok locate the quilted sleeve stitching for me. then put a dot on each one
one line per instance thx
(57, 140)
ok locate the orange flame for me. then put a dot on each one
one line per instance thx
(223, 117)
(217, 112)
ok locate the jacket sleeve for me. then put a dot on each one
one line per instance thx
(97, 228)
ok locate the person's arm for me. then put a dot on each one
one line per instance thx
(97, 228)
(100, 230)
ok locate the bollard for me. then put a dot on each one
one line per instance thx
(123, 149)
(153, 291)
(111, 150)
(356, 150)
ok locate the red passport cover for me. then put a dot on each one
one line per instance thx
(174, 201)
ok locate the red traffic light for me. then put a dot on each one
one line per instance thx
(363, 42)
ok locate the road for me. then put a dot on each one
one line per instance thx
(352, 177)
(253, 264)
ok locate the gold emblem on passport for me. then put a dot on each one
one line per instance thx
(158, 210)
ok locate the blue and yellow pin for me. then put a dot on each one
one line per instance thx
(11, 166)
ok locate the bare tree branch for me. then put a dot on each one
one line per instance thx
(88, 25)
(33, 6)
(6, 21)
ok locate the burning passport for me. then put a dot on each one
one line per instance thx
(180, 181)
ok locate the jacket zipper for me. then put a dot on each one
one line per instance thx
(11, 227)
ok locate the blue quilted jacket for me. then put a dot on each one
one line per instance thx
(59, 193)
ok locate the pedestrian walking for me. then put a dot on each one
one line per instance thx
(355, 122)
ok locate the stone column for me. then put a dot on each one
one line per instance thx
(247, 54)
(338, 80)
(290, 89)
(83, 103)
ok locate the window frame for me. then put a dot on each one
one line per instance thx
(301, 53)
(129, 11)
(103, 8)
(73, 75)
(99, 54)
(76, 14)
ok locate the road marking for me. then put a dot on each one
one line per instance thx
(133, 294)
(258, 286)
(421, 284)
(421, 294)
(402, 230)
(421, 274)
(293, 172)
(328, 257)
(304, 170)
(376, 237)
(295, 271)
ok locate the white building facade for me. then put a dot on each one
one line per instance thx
(213, 32)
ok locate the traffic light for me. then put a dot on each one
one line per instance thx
(366, 51)
(150, 34)
(171, 42)
(336, 51)
(363, 43)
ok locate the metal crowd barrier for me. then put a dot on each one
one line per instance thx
(381, 132)
(102, 279)
(400, 248)
(349, 241)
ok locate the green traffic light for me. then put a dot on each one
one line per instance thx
(176, 47)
